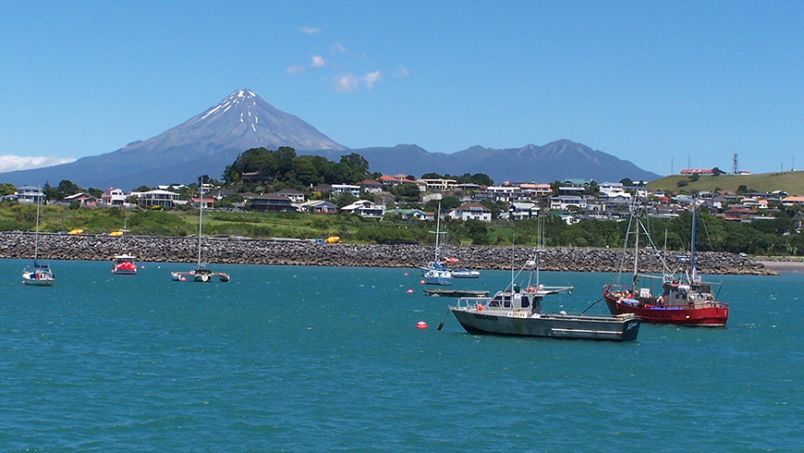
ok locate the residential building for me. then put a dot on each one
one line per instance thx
(564, 202)
(114, 196)
(270, 202)
(157, 197)
(505, 194)
(436, 185)
(317, 207)
(365, 208)
(296, 196)
(533, 191)
(208, 202)
(524, 210)
(84, 200)
(30, 194)
(406, 214)
(471, 211)
(370, 186)
(338, 189)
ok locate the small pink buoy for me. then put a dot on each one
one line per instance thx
(421, 325)
(406, 274)
(409, 291)
(421, 282)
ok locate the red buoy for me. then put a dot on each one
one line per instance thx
(421, 282)
(421, 325)
(409, 291)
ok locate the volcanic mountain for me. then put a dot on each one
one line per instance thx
(204, 144)
(211, 140)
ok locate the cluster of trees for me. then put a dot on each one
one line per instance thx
(284, 168)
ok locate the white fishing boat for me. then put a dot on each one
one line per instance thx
(201, 272)
(40, 274)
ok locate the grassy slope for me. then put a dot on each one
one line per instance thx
(790, 182)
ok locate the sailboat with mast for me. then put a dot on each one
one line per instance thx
(40, 274)
(436, 273)
(682, 297)
(517, 310)
(201, 272)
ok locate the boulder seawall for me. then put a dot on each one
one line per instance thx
(281, 252)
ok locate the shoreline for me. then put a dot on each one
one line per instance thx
(276, 252)
(780, 266)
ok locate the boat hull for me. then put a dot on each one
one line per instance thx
(465, 274)
(625, 328)
(37, 281)
(710, 314)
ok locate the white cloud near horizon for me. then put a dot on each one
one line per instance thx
(345, 83)
(402, 72)
(371, 78)
(308, 30)
(317, 61)
(295, 69)
(11, 162)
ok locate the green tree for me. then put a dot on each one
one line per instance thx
(407, 192)
(7, 189)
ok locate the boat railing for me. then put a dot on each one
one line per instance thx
(472, 301)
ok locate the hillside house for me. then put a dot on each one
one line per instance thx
(270, 202)
(84, 200)
(471, 211)
(296, 196)
(317, 207)
(365, 208)
(30, 194)
(564, 202)
(338, 189)
(114, 196)
(157, 197)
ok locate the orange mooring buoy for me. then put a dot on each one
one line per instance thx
(421, 325)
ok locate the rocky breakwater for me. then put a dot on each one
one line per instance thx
(253, 251)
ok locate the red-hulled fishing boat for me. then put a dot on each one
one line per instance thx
(681, 297)
(124, 265)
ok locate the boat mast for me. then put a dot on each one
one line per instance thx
(693, 267)
(36, 231)
(438, 231)
(200, 217)
(636, 251)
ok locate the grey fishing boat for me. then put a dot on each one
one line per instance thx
(518, 311)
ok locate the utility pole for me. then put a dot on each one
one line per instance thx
(734, 164)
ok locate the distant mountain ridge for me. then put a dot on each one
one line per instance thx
(558, 160)
(211, 140)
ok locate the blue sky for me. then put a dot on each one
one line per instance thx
(647, 81)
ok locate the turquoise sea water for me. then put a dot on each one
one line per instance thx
(310, 358)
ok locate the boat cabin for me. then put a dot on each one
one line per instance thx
(529, 301)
